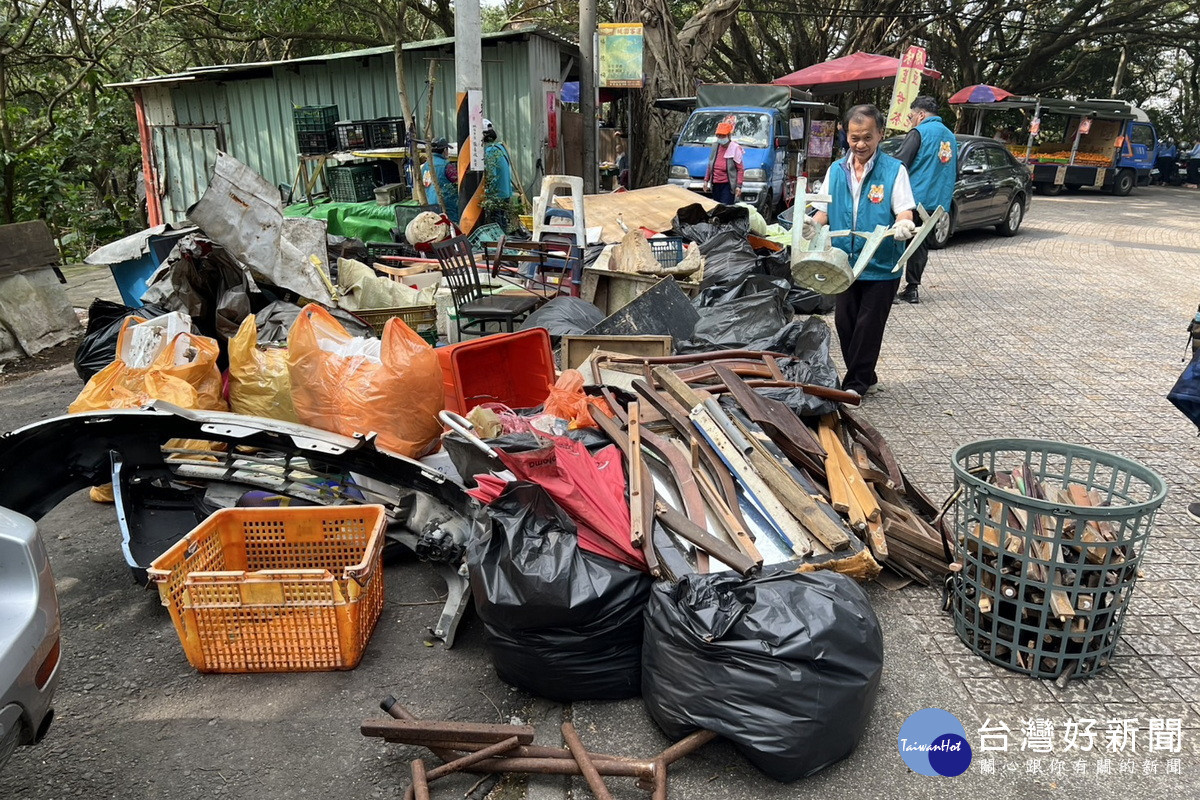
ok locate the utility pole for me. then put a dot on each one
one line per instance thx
(587, 91)
(468, 85)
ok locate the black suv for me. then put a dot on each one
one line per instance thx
(993, 188)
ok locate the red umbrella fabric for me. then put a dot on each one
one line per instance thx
(979, 93)
(846, 74)
(590, 488)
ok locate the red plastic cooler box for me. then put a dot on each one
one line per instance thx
(515, 369)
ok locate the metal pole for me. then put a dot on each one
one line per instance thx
(468, 85)
(587, 90)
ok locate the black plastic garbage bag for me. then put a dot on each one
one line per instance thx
(564, 316)
(561, 623)
(809, 342)
(785, 665)
(99, 346)
(275, 320)
(806, 301)
(695, 223)
(728, 259)
(734, 316)
(776, 263)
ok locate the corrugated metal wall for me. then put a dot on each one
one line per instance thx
(252, 117)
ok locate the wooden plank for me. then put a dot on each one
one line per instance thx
(653, 207)
(26, 246)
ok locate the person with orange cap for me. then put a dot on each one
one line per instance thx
(725, 169)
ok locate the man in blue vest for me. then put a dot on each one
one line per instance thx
(445, 172)
(867, 188)
(930, 153)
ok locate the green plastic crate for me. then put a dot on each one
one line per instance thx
(353, 184)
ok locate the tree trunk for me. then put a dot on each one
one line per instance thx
(672, 59)
(406, 110)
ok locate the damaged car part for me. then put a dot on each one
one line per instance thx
(157, 476)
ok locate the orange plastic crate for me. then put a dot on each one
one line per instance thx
(276, 589)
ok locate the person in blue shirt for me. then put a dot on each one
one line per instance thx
(497, 179)
(1193, 164)
(867, 188)
(930, 153)
(1166, 162)
(445, 172)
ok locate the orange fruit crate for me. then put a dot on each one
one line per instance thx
(276, 589)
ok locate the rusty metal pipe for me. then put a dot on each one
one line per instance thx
(685, 746)
(420, 786)
(420, 731)
(660, 780)
(461, 764)
(575, 745)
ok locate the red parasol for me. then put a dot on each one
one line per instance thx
(979, 93)
(590, 488)
(846, 74)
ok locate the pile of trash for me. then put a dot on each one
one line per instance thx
(708, 511)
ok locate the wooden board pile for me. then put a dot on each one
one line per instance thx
(832, 497)
(1044, 593)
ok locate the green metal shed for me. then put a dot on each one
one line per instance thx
(246, 109)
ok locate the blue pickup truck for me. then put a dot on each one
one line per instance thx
(762, 115)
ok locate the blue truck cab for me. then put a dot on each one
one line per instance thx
(762, 117)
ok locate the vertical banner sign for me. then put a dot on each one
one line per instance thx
(475, 121)
(820, 143)
(552, 119)
(620, 55)
(908, 86)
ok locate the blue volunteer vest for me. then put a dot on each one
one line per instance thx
(935, 168)
(874, 208)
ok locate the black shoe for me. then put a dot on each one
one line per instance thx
(909, 295)
(1193, 510)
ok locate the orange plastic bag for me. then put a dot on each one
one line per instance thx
(339, 384)
(259, 385)
(568, 401)
(193, 384)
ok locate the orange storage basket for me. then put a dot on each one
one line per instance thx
(276, 589)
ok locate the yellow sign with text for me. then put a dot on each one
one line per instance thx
(620, 51)
(908, 86)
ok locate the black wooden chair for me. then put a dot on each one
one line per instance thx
(473, 309)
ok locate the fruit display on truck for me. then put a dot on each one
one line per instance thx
(1078, 144)
(762, 118)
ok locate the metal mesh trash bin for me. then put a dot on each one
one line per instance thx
(1049, 537)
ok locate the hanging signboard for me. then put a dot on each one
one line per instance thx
(908, 86)
(820, 143)
(620, 55)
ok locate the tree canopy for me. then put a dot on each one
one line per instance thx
(69, 148)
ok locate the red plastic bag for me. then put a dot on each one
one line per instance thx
(340, 384)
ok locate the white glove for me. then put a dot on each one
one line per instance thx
(811, 228)
(904, 229)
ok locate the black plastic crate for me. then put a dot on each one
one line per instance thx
(355, 184)
(315, 144)
(352, 135)
(668, 250)
(378, 251)
(386, 132)
(314, 119)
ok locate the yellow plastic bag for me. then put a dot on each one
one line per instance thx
(195, 383)
(348, 385)
(259, 385)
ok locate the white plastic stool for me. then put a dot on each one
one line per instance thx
(552, 185)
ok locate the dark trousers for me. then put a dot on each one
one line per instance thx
(722, 194)
(915, 267)
(861, 314)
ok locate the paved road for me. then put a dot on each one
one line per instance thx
(1072, 331)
